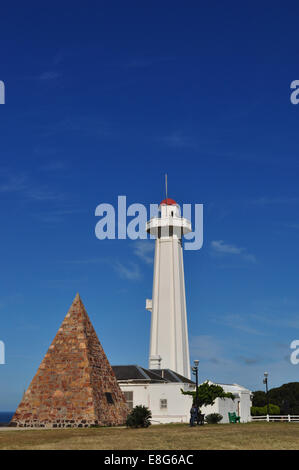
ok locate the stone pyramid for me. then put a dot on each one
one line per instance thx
(75, 384)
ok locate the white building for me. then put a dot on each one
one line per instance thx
(160, 391)
(240, 405)
(169, 347)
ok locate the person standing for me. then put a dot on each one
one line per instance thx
(193, 415)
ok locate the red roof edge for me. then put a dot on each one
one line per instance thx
(168, 202)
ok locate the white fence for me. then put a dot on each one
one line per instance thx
(280, 418)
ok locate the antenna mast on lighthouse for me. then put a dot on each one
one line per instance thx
(166, 186)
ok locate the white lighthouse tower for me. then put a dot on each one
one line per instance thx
(169, 347)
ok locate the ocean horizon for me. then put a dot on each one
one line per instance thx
(5, 416)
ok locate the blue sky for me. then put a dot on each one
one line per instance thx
(104, 98)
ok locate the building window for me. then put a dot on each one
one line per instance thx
(129, 399)
(109, 398)
(163, 403)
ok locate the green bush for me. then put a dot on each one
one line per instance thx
(262, 410)
(139, 417)
(213, 418)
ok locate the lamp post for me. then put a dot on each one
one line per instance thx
(265, 381)
(195, 372)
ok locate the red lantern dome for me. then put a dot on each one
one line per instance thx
(168, 202)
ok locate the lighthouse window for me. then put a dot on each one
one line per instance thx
(109, 398)
(163, 403)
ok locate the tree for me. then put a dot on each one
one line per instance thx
(286, 397)
(259, 398)
(207, 394)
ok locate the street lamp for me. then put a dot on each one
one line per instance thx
(195, 372)
(265, 381)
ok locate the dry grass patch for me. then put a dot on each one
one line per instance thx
(249, 436)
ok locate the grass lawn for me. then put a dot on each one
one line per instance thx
(169, 436)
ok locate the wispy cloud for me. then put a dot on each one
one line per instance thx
(144, 250)
(267, 201)
(14, 183)
(282, 321)
(55, 165)
(56, 216)
(130, 271)
(239, 322)
(49, 75)
(207, 348)
(85, 125)
(226, 359)
(251, 361)
(222, 249)
(293, 226)
(89, 261)
(43, 194)
(45, 151)
(177, 140)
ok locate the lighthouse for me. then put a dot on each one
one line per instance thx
(169, 347)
